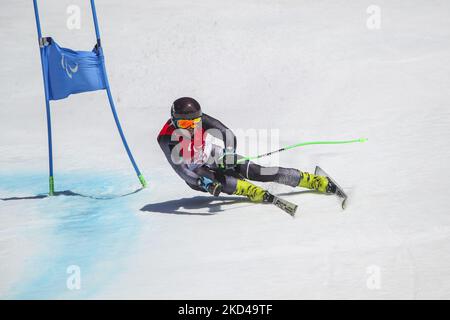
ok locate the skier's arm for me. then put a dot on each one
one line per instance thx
(192, 178)
(221, 132)
(181, 169)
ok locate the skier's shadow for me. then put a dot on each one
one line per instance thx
(212, 204)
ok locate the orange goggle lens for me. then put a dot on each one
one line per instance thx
(188, 123)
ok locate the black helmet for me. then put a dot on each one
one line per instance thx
(185, 108)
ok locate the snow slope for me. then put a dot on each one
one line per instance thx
(311, 70)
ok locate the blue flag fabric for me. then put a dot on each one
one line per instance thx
(70, 72)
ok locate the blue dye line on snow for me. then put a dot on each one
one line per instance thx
(93, 234)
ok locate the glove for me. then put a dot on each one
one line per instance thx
(213, 187)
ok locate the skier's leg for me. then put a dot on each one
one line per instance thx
(288, 176)
(255, 172)
(253, 192)
(316, 182)
(235, 186)
(232, 184)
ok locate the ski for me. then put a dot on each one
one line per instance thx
(284, 205)
(339, 191)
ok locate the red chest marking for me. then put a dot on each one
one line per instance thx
(189, 148)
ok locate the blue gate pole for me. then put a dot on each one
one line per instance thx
(47, 102)
(110, 98)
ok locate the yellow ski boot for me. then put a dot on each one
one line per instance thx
(315, 182)
(254, 193)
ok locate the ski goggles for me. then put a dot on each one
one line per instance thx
(187, 123)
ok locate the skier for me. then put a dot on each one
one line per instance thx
(199, 163)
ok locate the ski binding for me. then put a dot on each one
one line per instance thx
(339, 191)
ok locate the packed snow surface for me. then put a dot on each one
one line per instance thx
(294, 70)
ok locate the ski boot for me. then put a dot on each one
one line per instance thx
(315, 182)
(258, 194)
(253, 192)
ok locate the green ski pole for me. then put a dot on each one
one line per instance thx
(242, 160)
